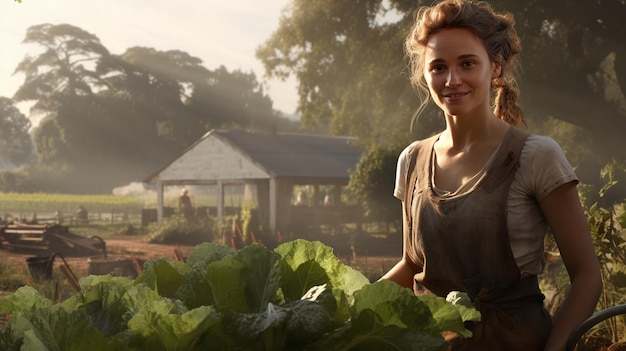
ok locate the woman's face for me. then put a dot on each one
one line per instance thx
(458, 72)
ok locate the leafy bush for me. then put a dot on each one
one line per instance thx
(178, 230)
(298, 296)
(371, 184)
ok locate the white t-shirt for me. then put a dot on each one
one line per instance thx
(543, 168)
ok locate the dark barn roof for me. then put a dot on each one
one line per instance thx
(295, 155)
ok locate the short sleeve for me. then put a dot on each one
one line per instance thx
(543, 167)
(401, 169)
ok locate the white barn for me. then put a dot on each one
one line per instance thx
(272, 163)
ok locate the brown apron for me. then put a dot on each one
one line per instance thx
(462, 243)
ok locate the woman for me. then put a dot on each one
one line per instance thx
(479, 197)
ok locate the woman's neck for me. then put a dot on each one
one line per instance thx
(464, 131)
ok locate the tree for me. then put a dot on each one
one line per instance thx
(372, 183)
(112, 119)
(575, 66)
(66, 67)
(156, 86)
(16, 145)
(233, 99)
(349, 65)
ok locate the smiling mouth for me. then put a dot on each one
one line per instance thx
(455, 95)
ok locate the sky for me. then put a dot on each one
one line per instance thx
(219, 32)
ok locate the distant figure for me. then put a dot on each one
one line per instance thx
(328, 200)
(58, 215)
(184, 204)
(301, 199)
(82, 216)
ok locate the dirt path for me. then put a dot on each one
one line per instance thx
(115, 248)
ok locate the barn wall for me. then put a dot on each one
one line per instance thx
(211, 159)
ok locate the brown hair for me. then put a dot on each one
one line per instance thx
(495, 30)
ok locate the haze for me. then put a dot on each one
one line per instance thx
(218, 32)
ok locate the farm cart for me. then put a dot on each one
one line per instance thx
(594, 320)
(46, 239)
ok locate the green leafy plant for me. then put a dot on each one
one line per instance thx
(298, 296)
(249, 217)
(178, 230)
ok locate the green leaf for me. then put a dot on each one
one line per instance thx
(164, 276)
(247, 281)
(341, 276)
(195, 291)
(395, 305)
(278, 327)
(111, 301)
(163, 330)
(448, 316)
(307, 321)
(306, 275)
(307, 264)
(26, 299)
(464, 306)
(205, 253)
(57, 329)
(618, 279)
(227, 284)
(369, 331)
(262, 275)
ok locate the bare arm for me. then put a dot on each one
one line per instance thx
(404, 271)
(568, 221)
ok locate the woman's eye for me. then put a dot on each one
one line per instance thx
(468, 63)
(437, 68)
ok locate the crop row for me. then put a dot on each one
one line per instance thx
(68, 203)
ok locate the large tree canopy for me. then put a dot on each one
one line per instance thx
(65, 67)
(349, 65)
(107, 120)
(348, 59)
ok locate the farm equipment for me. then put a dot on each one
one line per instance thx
(46, 239)
(40, 267)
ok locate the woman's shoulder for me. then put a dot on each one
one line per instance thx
(541, 140)
(541, 147)
(543, 166)
(415, 146)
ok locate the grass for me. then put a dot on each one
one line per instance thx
(105, 229)
(11, 278)
(14, 276)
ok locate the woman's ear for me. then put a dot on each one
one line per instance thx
(497, 70)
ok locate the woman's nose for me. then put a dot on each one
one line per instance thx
(453, 79)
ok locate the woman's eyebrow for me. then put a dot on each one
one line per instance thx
(460, 58)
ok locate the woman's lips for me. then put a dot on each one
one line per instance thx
(454, 96)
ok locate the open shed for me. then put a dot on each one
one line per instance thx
(269, 163)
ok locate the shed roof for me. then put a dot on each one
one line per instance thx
(279, 154)
(296, 155)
